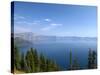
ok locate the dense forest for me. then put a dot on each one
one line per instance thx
(32, 61)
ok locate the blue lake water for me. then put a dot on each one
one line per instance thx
(59, 51)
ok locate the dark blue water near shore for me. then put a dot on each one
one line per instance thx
(59, 51)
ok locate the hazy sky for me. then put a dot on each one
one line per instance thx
(55, 19)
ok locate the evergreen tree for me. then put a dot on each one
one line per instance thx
(92, 59)
(23, 63)
(42, 63)
(47, 65)
(17, 58)
(30, 60)
(27, 58)
(36, 60)
(51, 65)
(70, 68)
(54, 66)
(75, 64)
(94, 65)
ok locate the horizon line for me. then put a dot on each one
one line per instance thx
(56, 35)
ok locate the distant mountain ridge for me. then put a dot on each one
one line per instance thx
(34, 38)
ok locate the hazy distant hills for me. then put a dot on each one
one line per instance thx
(30, 38)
